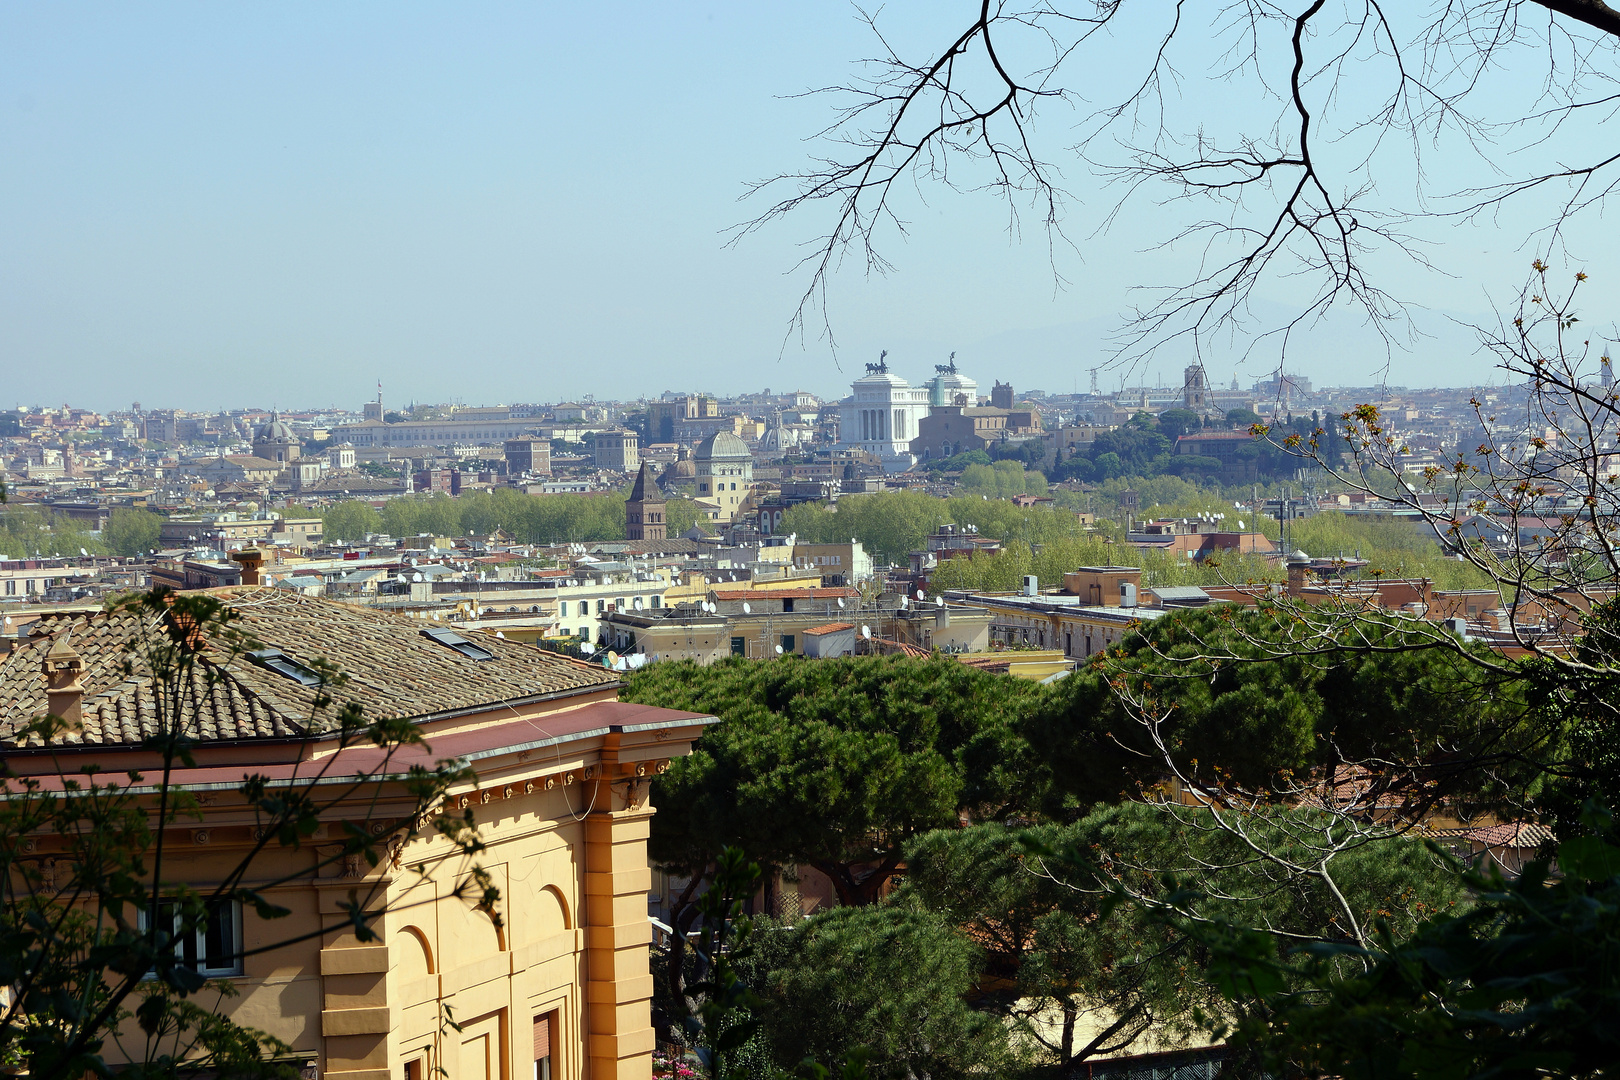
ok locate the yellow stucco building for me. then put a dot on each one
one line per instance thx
(557, 987)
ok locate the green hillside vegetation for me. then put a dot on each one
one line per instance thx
(1048, 562)
(1145, 447)
(892, 524)
(1046, 541)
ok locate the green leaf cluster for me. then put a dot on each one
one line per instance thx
(1524, 982)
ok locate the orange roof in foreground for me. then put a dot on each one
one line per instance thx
(831, 627)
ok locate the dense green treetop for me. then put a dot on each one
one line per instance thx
(26, 531)
(1055, 938)
(1001, 480)
(1519, 982)
(834, 763)
(535, 519)
(132, 531)
(1259, 698)
(892, 980)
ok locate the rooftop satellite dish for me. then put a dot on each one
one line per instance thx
(746, 609)
(83, 552)
(939, 601)
(501, 634)
(866, 632)
(840, 604)
(920, 594)
(779, 650)
(902, 603)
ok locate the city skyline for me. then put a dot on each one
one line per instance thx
(517, 208)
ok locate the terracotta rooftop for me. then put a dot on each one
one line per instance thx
(482, 743)
(830, 628)
(894, 645)
(1522, 834)
(992, 662)
(391, 667)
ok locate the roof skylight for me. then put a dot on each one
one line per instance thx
(282, 664)
(452, 640)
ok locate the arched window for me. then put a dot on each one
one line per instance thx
(412, 956)
(551, 913)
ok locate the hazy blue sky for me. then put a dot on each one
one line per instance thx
(214, 205)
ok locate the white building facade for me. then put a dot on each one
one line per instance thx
(881, 417)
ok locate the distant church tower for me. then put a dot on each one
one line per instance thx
(644, 510)
(1001, 396)
(1194, 389)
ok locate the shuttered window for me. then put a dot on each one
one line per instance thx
(542, 1047)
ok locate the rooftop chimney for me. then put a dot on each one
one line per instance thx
(1299, 565)
(252, 562)
(64, 693)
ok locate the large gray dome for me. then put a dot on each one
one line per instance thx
(722, 446)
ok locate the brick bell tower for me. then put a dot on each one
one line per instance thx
(644, 510)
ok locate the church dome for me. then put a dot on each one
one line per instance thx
(677, 471)
(722, 446)
(277, 430)
(778, 439)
